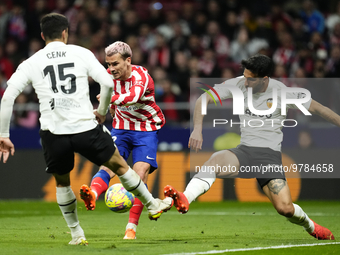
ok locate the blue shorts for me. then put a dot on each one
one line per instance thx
(143, 145)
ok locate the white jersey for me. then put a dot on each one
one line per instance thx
(59, 74)
(253, 133)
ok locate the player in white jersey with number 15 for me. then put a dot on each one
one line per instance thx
(59, 74)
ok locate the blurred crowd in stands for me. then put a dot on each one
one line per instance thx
(181, 39)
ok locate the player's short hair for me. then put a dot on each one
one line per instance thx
(119, 47)
(52, 25)
(260, 65)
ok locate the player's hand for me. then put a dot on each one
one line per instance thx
(195, 140)
(100, 118)
(112, 112)
(98, 97)
(6, 147)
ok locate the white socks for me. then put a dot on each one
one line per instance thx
(133, 183)
(199, 184)
(300, 218)
(68, 205)
(132, 226)
(196, 187)
(95, 193)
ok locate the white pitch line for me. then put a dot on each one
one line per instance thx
(255, 248)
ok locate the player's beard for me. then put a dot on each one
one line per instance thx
(122, 73)
(118, 75)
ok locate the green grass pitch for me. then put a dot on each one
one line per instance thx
(36, 227)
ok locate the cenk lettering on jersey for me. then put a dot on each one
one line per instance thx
(56, 54)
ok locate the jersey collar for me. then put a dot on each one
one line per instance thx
(54, 44)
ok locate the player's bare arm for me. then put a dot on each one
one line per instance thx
(7, 102)
(112, 112)
(100, 118)
(324, 112)
(196, 139)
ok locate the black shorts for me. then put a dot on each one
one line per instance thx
(261, 163)
(96, 145)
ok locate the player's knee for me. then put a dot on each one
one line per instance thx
(213, 160)
(207, 176)
(143, 175)
(221, 164)
(117, 164)
(108, 170)
(142, 169)
(62, 180)
(286, 210)
(212, 164)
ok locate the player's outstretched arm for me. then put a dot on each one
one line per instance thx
(324, 112)
(6, 148)
(106, 88)
(13, 90)
(196, 138)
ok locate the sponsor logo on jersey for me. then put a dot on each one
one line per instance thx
(248, 112)
(130, 108)
(65, 103)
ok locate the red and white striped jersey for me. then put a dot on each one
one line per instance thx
(134, 102)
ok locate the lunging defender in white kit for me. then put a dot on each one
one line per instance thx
(59, 74)
(260, 146)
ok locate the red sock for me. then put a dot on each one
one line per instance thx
(98, 185)
(136, 211)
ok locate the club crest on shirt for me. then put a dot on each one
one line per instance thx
(269, 102)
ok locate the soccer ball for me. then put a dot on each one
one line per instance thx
(118, 199)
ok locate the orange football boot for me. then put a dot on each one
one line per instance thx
(88, 196)
(180, 200)
(322, 233)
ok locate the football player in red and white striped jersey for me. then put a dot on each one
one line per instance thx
(134, 98)
(136, 121)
